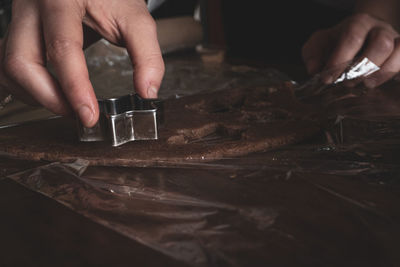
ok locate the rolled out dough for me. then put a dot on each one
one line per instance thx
(197, 128)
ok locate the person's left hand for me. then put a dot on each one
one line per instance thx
(361, 35)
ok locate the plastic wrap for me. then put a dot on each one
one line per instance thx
(330, 201)
(304, 205)
(349, 73)
(111, 74)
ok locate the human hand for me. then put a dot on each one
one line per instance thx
(51, 31)
(361, 35)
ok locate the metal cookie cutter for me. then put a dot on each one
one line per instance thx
(124, 119)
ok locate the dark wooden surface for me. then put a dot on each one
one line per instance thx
(329, 214)
(38, 231)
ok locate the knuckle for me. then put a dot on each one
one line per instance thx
(359, 23)
(355, 40)
(60, 48)
(142, 20)
(161, 64)
(361, 18)
(352, 36)
(155, 61)
(385, 41)
(155, 65)
(150, 23)
(146, 20)
(161, 68)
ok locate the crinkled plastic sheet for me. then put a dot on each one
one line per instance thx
(331, 201)
(111, 74)
(335, 90)
(304, 205)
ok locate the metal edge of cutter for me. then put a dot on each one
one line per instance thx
(125, 119)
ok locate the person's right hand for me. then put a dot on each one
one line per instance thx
(359, 35)
(51, 31)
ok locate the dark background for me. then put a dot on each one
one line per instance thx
(276, 30)
(273, 31)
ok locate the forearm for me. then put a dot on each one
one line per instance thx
(386, 10)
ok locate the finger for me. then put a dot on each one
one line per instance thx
(316, 50)
(380, 45)
(350, 41)
(140, 36)
(24, 62)
(389, 69)
(348, 46)
(15, 90)
(62, 27)
(7, 84)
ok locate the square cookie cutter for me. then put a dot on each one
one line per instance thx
(125, 119)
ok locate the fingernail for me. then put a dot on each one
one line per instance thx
(152, 92)
(370, 83)
(86, 115)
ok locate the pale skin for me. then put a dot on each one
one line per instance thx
(51, 31)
